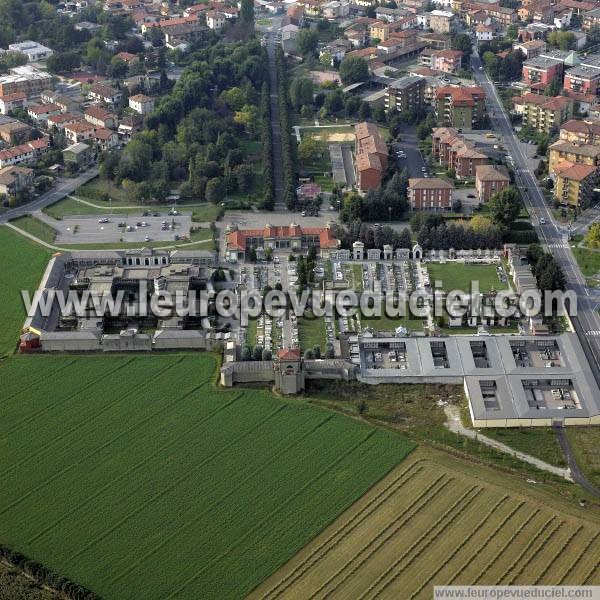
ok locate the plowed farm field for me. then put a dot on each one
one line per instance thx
(432, 523)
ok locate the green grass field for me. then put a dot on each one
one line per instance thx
(38, 228)
(22, 263)
(311, 332)
(385, 323)
(588, 260)
(135, 477)
(458, 276)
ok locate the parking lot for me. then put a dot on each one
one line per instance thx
(95, 229)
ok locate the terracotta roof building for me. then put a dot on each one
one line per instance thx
(462, 107)
(489, 180)
(430, 194)
(279, 237)
(371, 156)
(574, 184)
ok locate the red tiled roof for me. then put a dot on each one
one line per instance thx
(16, 151)
(574, 171)
(237, 239)
(288, 354)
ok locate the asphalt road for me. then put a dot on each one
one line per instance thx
(576, 472)
(60, 191)
(587, 321)
(413, 162)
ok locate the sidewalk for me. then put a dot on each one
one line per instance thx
(454, 424)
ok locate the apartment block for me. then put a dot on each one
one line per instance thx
(543, 113)
(581, 154)
(430, 194)
(489, 180)
(574, 184)
(461, 107)
(405, 94)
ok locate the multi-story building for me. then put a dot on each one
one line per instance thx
(581, 154)
(541, 69)
(452, 150)
(489, 180)
(61, 120)
(441, 21)
(530, 49)
(40, 112)
(100, 117)
(25, 79)
(371, 156)
(15, 132)
(79, 131)
(284, 237)
(12, 101)
(484, 33)
(582, 79)
(430, 194)
(405, 94)
(105, 93)
(462, 107)
(185, 28)
(581, 131)
(24, 153)
(142, 104)
(447, 61)
(543, 113)
(574, 184)
(15, 179)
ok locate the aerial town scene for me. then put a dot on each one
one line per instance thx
(300, 299)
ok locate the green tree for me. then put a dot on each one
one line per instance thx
(215, 190)
(353, 69)
(301, 92)
(247, 11)
(308, 150)
(592, 237)
(564, 40)
(307, 41)
(505, 207)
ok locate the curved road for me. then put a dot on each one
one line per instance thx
(576, 473)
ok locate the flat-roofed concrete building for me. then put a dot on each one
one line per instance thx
(509, 381)
(406, 94)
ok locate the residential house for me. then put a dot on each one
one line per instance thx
(14, 180)
(335, 9)
(100, 117)
(489, 180)
(23, 153)
(484, 33)
(462, 107)
(106, 139)
(15, 132)
(129, 125)
(79, 154)
(185, 28)
(447, 61)
(336, 49)
(591, 19)
(289, 33)
(574, 184)
(435, 41)
(530, 49)
(141, 104)
(79, 131)
(215, 19)
(105, 93)
(441, 21)
(541, 69)
(450, 148)
(128, 58)
(61, 120)
(430, 194)
(40, 112)
(13, 101)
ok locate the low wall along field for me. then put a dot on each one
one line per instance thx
(432, 523)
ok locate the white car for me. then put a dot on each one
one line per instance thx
(542, 221)
(147, 238)
(103, 220)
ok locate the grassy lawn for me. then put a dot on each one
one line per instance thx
(358, 279)
(413, 410)
(95, 190)
(588, 260)
(41, 230)
(540, 442)
(385, 323)
(22, 264)
(458, 276)
(199, 235)
(585, 442)
(311, 332)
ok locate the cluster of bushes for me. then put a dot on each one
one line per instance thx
(268, 202)
(288, 149)
(372, 236)
(194, 134)
(315, 352)
(522, 233)
(256, 353)
(45, 577)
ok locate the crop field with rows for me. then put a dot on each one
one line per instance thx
(436, 522)
(136, 477)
